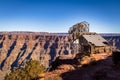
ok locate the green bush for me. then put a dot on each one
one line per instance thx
(29, 72)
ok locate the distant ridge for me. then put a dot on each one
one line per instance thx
(110, 34)
(50, 33)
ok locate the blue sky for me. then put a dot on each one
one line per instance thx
(59, 15)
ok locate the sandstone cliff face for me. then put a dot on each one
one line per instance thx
(17, 48)
(114, 41)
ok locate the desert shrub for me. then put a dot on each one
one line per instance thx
(29, 72)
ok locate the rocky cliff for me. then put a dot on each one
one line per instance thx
(18, 47)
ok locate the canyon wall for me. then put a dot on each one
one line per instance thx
(18, 47)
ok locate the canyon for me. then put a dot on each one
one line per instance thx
(18, 47)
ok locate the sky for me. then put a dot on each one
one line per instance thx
(58, 16)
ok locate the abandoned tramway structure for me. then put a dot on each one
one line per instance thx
(86, 42)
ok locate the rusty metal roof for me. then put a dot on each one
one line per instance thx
(97, 40)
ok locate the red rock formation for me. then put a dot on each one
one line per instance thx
(18, 47)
